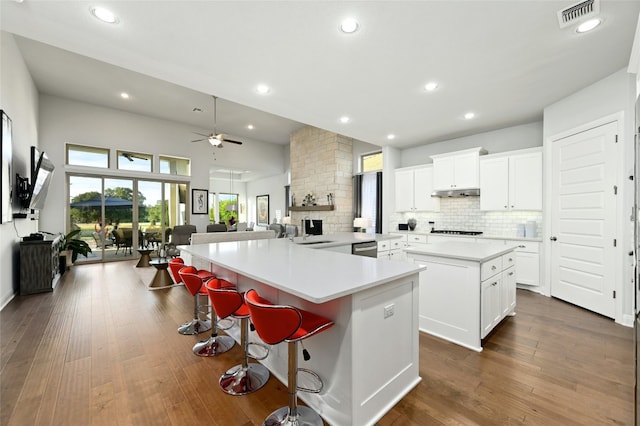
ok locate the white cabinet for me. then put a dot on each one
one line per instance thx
(413, 190)
(392, 249)
(528, 261)
(511, 182)
(498, 291)
(490, 310)
(457, 170)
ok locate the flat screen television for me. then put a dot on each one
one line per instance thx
(41, 172)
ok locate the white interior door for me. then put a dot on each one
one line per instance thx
(583, 221)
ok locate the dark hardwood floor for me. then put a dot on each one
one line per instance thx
(103, 350)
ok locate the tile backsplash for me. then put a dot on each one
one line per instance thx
(464, 214)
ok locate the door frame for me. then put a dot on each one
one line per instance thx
(623, 296)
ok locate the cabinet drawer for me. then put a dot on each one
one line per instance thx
(383, 246)
(396, 244)
(420, 239)
(508, 260)
(528, 246)
(490, 268)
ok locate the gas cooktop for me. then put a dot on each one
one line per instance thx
(447, 231)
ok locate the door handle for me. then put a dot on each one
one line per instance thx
(553, 239)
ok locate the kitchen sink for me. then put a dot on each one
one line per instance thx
(306, 243)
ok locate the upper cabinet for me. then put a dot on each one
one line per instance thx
(413, 190)
(512, 181)
(457, 170)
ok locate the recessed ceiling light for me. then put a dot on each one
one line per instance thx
(250, 127)
(124, 95)
(588, 25)
(431, 86)
(345, 119)
(104, 15)
(391, 136)
(349, 26)
(263, 89)
(469, 115)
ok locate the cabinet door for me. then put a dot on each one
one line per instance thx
(422, 189)
(404, 190)
(508, 290)
(398, 255)
(525, 181)
(527, 268)
(490, 310)
(494, 183)
(465, 169)
(443, 173)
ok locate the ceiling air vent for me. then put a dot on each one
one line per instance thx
(577, 12)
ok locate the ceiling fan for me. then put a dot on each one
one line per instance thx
(215, 138)
(129, 156)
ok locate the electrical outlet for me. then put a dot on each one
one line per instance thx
(388, 310)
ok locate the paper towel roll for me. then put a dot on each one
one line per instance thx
(531, 230)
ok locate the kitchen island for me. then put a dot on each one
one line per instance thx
(369, 359)
(466, 289)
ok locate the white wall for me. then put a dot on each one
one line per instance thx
(19, 99)
(613, 95)
(272, 186)
(507, 139)
(66, 121)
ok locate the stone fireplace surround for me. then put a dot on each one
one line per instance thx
(322, 163)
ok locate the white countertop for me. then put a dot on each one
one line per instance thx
(480, 237)
(314, 275)
(475, 252)
(342, 238)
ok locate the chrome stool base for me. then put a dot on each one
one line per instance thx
(213, 346)
(239, 380)
(306, 417)
(194, 327)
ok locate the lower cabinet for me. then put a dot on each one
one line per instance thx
(392, 249)
(39, 265)
(498, 292)
(528, 259)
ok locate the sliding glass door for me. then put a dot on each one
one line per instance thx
(117, 216)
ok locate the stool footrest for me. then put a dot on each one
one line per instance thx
(257, 357)
(314, 375)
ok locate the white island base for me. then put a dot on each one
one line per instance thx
(368, 360)
(466, 289)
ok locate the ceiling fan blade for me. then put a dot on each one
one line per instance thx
(200, 134)
(231, 141)
(199, 140)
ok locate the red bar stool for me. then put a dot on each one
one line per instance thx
(175, 265)
(193, 280)
(279, 323)
(246, 377)
(215, 344)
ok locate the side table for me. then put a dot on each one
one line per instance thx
(144, 258)
(162, 277)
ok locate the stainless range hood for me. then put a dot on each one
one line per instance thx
(456, 193)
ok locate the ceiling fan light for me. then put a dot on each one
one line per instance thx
(214, 141)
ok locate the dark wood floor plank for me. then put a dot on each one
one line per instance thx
(102, 350)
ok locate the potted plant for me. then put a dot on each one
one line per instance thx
(73, 246)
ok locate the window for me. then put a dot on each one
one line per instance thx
(175, 166)
(87, 156)
(128, 160)
(227, 206)
(371, 162)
